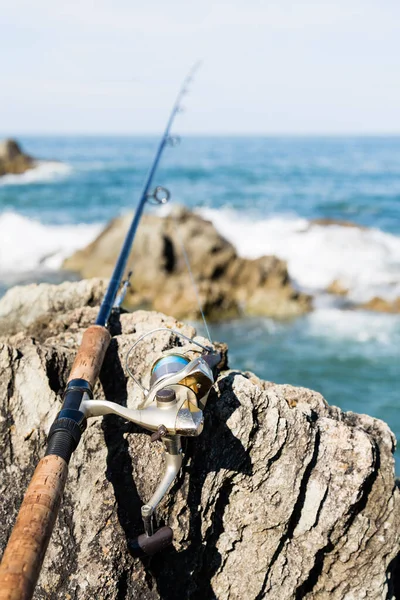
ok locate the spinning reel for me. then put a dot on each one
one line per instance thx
(172, 407)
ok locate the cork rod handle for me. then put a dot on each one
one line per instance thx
(24, 554)
(92, 350)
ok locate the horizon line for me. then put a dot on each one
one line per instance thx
(358, 134)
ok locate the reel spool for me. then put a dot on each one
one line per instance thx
(166, 365)
(195, 377)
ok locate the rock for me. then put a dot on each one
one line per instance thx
(381, 305)
(262, 286)
(326, 221)
(12, 159)
(376, 304)
(33, 306)
(337, 288)
(229, 285)
(281, 497)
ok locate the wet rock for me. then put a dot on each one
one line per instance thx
(381, 305)
(228, 285)
(326, 221)
(281, 497)
(337, 288)
(12, 159)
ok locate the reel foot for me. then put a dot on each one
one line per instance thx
(147, 545)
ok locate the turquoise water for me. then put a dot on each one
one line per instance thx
(262, 194)
(353, 364)
(343, 178)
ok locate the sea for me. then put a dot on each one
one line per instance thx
(262, 194)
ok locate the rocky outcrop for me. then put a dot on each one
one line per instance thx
(281, 497)
(12, 159)
(326, 221)
(337, 288)
(378, 304)
(228, 285)
(32, 308)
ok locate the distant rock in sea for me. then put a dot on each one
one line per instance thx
(375, 304)
(327, 222)
(381, 305)
(12, 159)
(337, 288)
(229, 285)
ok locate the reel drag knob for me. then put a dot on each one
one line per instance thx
(165, 397)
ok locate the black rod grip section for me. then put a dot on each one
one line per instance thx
(61, 444)
(64, 436)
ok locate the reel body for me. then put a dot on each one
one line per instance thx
(172, 407)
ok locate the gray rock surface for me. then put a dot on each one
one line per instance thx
(31, 307)
(281, 497)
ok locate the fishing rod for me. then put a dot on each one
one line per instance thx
(172, 407)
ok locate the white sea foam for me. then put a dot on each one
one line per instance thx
(28, 245)
(43, 171)
(362, 327)
(364, 261)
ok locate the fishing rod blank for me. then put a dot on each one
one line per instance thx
(160, 196)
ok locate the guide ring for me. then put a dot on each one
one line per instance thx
(160, 195)
(173, 140)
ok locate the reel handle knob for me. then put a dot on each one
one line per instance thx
(145, 545)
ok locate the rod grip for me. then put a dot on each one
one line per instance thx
(89, 359)
(24, 553)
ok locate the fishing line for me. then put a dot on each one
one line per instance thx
(192, 279)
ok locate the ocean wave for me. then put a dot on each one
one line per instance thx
(365, 261)
(42, 172)
(28, 245)
(358, 327)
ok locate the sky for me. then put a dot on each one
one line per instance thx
(268, 67)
